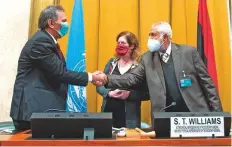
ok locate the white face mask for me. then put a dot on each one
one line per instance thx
(154, 44)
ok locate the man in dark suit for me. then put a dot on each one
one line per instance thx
(42, 77)
(175, 75)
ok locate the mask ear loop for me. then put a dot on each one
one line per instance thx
(160, 38)
(54, 28)
(163, 41)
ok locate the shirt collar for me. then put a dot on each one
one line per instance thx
(55, 41)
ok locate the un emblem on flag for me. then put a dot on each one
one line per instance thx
(76, 101)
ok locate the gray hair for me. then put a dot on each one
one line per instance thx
(163, 27)
(49, 12)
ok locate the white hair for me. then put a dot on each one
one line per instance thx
(163, 27)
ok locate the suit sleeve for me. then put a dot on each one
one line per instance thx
(138, 96)
(206, 83)
(43, 56)
(101, 89)
(130, 80)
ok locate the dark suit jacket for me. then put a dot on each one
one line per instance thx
(201, 96)
(133, 102)
(42, 78)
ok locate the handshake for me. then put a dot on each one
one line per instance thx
(99, 78)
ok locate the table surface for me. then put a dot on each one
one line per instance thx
(133, 138)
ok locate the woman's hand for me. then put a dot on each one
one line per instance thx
(120, 94)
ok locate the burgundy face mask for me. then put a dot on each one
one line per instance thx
(121, 49)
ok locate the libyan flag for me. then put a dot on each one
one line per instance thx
(205, 40)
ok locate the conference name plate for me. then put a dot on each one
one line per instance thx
(197, 126)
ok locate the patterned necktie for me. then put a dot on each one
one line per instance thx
(164, 57)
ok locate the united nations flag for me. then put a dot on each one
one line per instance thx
(76, 100)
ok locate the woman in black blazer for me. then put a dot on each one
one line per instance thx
(125, 105)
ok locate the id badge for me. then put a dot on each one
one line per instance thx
(185, 82)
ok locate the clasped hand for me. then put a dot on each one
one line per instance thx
(119, 94)
(99, 78)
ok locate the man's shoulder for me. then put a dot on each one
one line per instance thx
(40, 41)
(40, 36)
(146, 54)
(184, 47)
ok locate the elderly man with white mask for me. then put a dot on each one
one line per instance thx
(175, 76)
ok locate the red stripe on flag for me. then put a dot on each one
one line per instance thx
(203, 19)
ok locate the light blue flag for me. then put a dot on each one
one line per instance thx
(76, 100)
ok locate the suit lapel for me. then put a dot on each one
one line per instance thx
(176, 61)
(55, 49)
(53, 43)
(159, 68)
